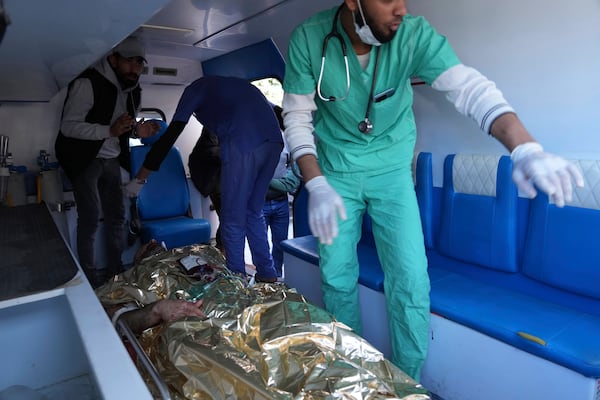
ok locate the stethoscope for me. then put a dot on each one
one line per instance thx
(364, 126)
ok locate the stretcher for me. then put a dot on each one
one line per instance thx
(261, 341)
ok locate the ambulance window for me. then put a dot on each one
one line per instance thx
(146, 114)
(151, 113)
(271, 88)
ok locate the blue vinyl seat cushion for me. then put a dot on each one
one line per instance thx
(542, 327)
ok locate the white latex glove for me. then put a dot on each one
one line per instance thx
(550, 173)
(133, 187)
(324, 205)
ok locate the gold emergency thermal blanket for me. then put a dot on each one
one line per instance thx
(261, 341)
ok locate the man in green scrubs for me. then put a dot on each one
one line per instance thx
(359, 157)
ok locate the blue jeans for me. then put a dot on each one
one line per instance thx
(277, 217)
(245, 177)
(98, 192)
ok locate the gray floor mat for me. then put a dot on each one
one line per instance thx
(33, 256)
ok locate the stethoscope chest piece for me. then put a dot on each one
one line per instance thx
(365, 126)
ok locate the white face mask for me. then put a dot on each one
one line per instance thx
(365, 33)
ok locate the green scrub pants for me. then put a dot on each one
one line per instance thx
(391, 203)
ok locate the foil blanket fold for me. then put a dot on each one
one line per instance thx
(257, 342)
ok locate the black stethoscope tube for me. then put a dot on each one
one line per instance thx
(364, 126)
(334, 34)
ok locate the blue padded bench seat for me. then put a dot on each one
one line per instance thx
(524, 272)
(500, 305)
(508, 272)
(543, 297)
(303, 247)
(441, 266)
(538, 319)
(509, 307)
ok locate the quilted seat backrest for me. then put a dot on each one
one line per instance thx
(166, 194)
(562, 244)
(479, 211)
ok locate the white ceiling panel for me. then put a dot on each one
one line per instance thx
(49, 42)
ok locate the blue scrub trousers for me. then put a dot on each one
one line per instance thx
(391, 202)
(245, 177)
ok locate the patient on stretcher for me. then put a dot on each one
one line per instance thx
(212, 335)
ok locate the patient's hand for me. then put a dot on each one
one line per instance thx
(166, 310)
(170, 310)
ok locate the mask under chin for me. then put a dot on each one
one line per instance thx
(366, 35)
(363, 30)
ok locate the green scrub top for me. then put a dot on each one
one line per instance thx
(416, 50)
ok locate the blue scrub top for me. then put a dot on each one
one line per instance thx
(234, 109)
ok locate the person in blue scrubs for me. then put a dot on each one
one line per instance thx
(250, 143)
(349, 124)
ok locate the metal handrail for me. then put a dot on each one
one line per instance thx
(147, 364)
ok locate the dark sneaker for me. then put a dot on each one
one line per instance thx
(266, 280)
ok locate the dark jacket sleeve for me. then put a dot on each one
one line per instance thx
(161, 147)
(204, 163)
